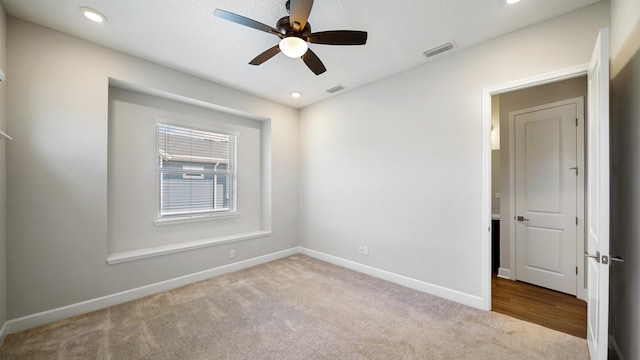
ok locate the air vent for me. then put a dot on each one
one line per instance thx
(438, 49)
(335, 89)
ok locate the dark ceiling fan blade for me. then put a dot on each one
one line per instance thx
(299, 13)
(239, 19)
(339, 37)
(265, 55)
(313, 62)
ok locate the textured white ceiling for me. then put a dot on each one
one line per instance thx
(184, 34)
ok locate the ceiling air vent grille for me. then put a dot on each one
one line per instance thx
(335, 89)
(438, 49)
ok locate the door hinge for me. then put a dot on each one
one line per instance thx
(576, 270)
(576, 122)
(576, 220)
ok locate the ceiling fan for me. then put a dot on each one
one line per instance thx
(295, 34)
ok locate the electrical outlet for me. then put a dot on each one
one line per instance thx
(360, 249)
(497, 195)
(232, 253)
(366, 250)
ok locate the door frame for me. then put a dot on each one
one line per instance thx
(581, 291)
(487, 92)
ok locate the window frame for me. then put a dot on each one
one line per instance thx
(194, 215)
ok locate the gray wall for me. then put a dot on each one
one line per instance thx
(625, 176)
(522, 99)
(57, 233)
(495, 181)
(3, 168)
(495, 154)
(396, 165)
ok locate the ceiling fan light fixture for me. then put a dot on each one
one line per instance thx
(294, 33)
(293, 47)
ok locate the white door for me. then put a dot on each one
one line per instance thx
(546, 167)
(598, 200)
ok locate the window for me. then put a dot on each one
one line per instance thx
(196, 173)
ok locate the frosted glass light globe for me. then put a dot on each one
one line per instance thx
(293, 47)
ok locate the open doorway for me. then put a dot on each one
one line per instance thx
(537, 264)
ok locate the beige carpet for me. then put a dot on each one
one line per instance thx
(294, 308)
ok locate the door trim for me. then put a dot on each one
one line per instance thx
(487, 92)
(581, 292)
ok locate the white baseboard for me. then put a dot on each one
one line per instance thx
(446, 293)
(45, 317)
(614, 345)
(504, 273)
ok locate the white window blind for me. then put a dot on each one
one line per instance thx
(196, 172)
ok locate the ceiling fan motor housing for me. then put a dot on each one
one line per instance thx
(284, 27)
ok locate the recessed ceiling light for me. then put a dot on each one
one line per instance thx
(296, 94)
(512, 1)
(93, 15)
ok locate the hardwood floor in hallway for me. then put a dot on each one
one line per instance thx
(538, 305)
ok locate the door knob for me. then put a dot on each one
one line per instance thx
(521, 218)
(596, 256)
(604, 259)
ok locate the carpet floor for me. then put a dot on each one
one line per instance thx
(293, 308)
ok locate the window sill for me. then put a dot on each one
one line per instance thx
(195, 218)
(133, 255)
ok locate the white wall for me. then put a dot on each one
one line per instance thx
(3, 169)
(396, 165)
(625, 176)
(57, 239)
